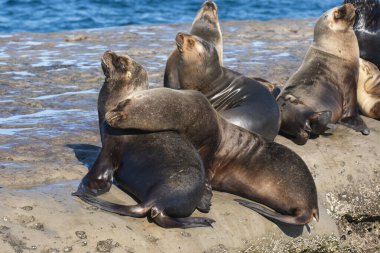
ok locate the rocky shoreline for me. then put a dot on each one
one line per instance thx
(49, 137)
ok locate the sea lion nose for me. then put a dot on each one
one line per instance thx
(180, 38)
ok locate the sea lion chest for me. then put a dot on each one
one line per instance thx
(324, 82)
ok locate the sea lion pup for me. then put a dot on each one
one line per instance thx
(239, 99)
(205, 25)
(162, 170)
(368, 92)
(236, 160)
(367, 29)
(323, 90)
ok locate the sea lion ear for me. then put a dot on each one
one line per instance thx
(340, 13)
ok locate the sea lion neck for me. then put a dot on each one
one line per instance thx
(344, 45)
(200, 78)
(235, 143)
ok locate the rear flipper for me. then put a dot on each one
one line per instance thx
(205, 203)
(356, 123)
(301, 217)
(137, 211)
(190, 222)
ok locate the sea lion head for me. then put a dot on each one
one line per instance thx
(338, 19)
(199, 61)
(208, 13)
(123, 68)
(334, 33)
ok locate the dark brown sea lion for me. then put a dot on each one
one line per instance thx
(237, 161)
(323, 90)
(162, 170)
(239, 99)
(368, 92)
(367, 29)
(205, 25)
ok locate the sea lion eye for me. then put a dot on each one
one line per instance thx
(191, 42)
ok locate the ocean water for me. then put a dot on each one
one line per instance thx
(51, 15)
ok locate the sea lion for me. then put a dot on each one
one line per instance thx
(205, 25)
(239, 99)
(367, 29)
(368, 92)
(162, 170)
(323, 90)
(236, 160)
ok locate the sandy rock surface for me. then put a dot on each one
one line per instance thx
(49, 138)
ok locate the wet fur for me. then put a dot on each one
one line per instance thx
(205, 25)
(236, 160)
(161, 170)
(239, 99)
(367, 29)
(323, 90)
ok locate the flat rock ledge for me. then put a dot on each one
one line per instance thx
(49, 139)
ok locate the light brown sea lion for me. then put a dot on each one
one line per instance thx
(239, 99)
(369, 89)
(237, 161)
(323, 90)
(205, 25)
(161, 170)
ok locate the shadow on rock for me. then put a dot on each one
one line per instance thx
(289, 229)
(85, 153)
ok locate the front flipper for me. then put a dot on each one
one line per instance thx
(356, 123)
(320, 122)
(189, 222)
(205, 203)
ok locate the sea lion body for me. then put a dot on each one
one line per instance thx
(368, 92)
(205, 25)
(236, 160)
(367, 29)
(239, 99)
(162, 170)
(323, 90)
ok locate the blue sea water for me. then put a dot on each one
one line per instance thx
(57, 15)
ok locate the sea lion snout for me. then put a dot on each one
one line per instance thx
(180, 40)
(210, 5)
(183, 40)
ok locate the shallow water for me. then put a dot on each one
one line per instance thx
(49, 15)
(50, 82)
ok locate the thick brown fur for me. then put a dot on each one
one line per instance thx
(205, 25)
(239, 99)
(237, 161)
(161, 170)
(323, 90)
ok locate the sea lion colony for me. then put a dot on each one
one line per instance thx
(170, 148)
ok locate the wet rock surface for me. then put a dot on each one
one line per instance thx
(49, 137)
